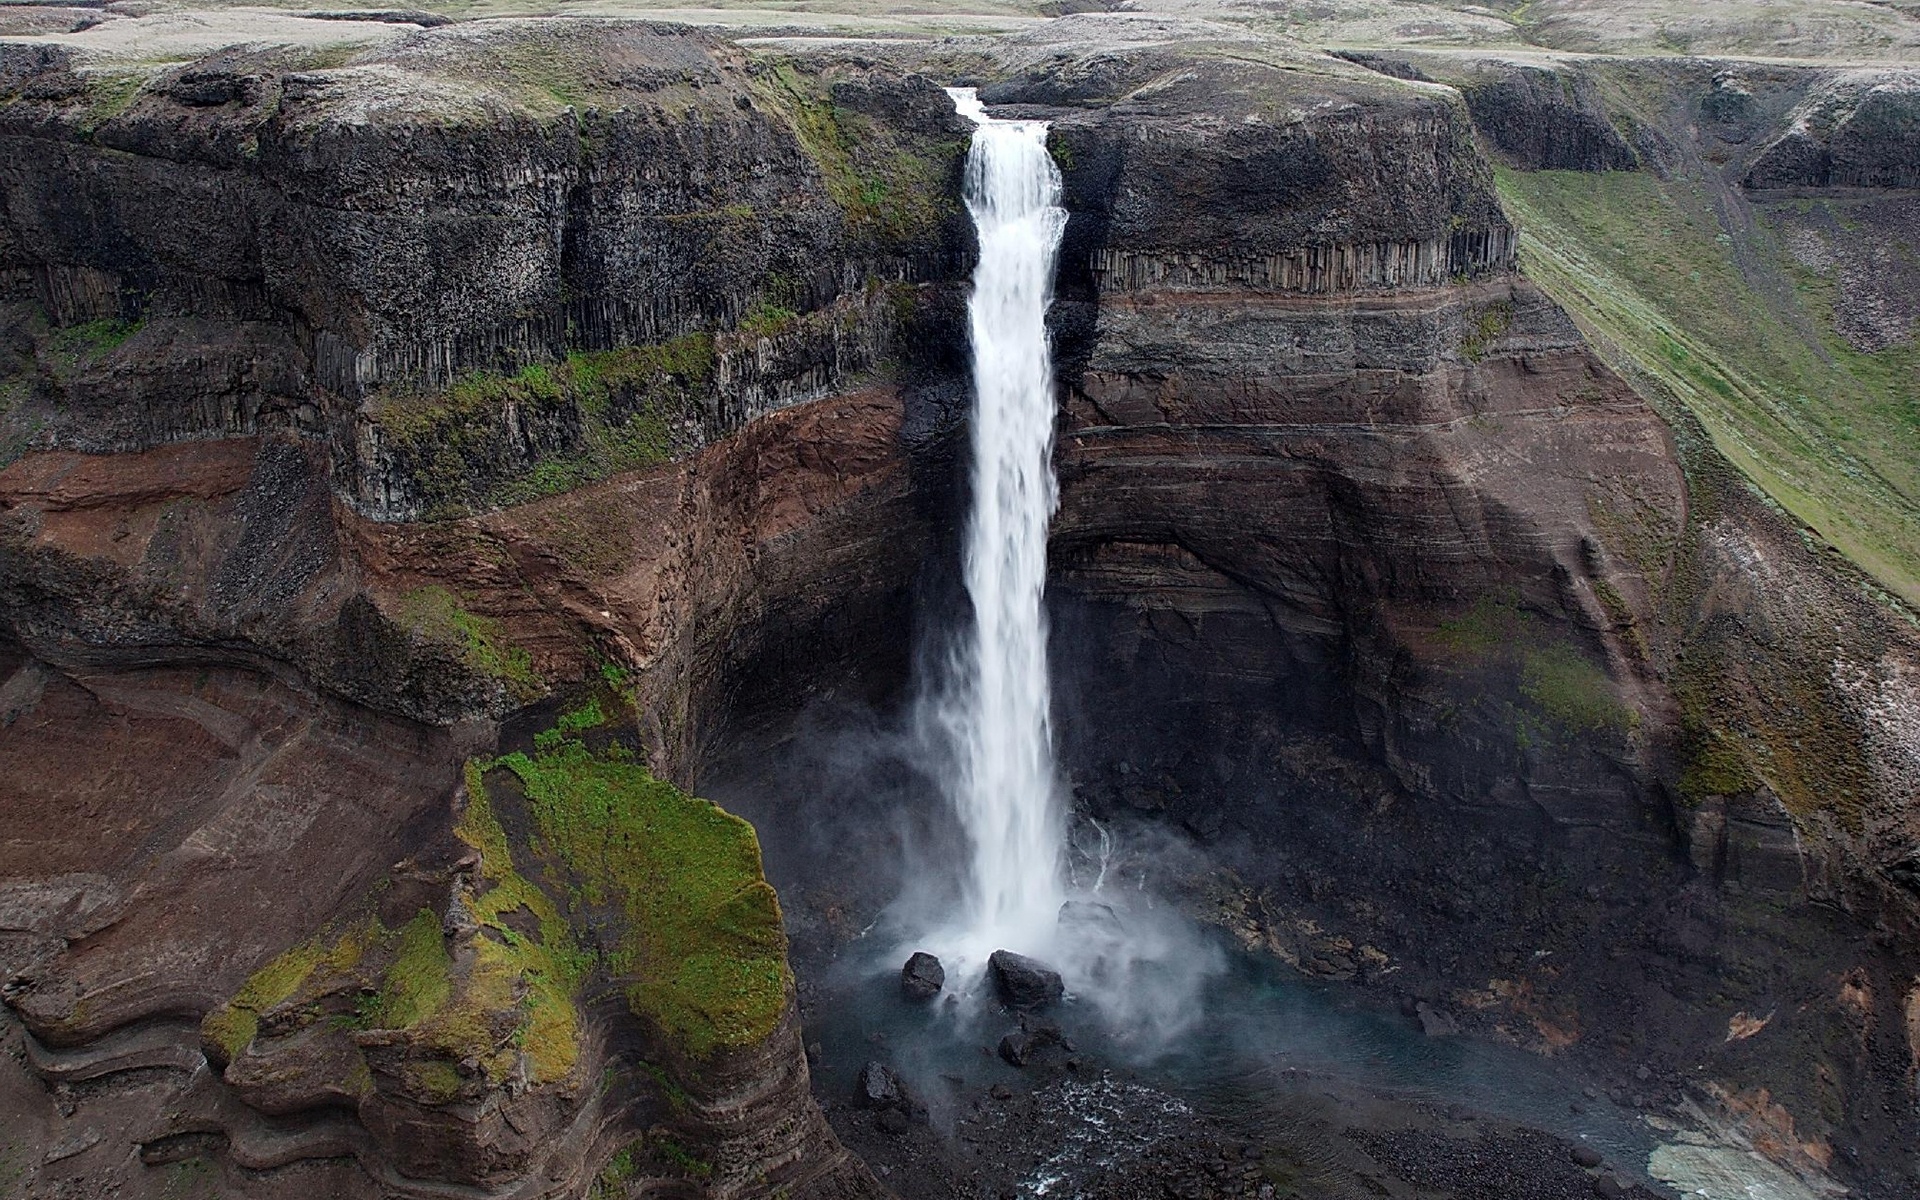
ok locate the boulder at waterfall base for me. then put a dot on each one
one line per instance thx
(1022, 982)
(922, 977)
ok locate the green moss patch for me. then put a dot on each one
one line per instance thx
(437, 614)
(112, 92)
(1571, 691)
(418, 980)
(546, 971)
(603, 412)
(611, 1182)
(703, 953)
(93, 338)
(513, 994)
(331, 952)
(1564, 693)
(1484, 328)
(887, 187)
(1753, 716)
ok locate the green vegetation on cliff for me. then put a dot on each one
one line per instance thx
(94, 337)
(703, 955)
(1831, 433)
(597, 412)
(452, 999)
(417, 982)
(437, 614)
(882, 182)
(233, 1025)
(1561, 691)
(545, 968)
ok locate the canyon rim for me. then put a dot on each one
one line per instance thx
(491, 507)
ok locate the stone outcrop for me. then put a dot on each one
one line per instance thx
(242, 771)
(423, 254)
(1544, 120)
(1465, 591)
(1858, 129)
(1359, 185)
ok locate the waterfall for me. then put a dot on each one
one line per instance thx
(995, 707)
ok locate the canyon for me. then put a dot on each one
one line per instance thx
(432, 454)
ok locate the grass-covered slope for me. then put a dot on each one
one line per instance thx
(1831, 433)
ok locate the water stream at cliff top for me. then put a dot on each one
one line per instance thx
(993, 708)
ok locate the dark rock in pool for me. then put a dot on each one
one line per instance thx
(880, 1087)
(1586, 1156)
(1611, 1186)
(922, 977)
(1016, 1048)
(1023, 983)
(892, 1121)
(1023, 1045)
(1436, 1022)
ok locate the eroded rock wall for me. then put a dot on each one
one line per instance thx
(257, 241)
(277, 817)
(1420, 622)
(257, 311)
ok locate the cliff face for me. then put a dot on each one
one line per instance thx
(286, 845)
(260, 307)
(260, 245)
(1522, 671)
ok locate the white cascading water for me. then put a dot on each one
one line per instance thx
(995, 710)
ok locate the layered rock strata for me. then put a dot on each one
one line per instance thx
(1482, 617)
(300, 942)
(276, 817)
(1466, 673)
(258, 241)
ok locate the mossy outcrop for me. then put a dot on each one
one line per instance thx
(467, 1039)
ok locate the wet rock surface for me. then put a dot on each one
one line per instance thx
(1497, 1163)
(880, 1087)
(1099, 1133)
(922, 977)
(1026, 1045)
(1024, 983)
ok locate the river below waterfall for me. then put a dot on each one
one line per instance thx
(1295, 1085)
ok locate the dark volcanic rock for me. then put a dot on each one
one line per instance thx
(1023, 983)
(300, 248)
(1435, 1022)
(1541, 120)
(879, 1087)
(1853, 132)
(1023, 1045)
(1085, 916)
(922, 977)
(1015, 1047)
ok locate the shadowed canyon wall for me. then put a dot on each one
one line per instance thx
(1485, 682)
